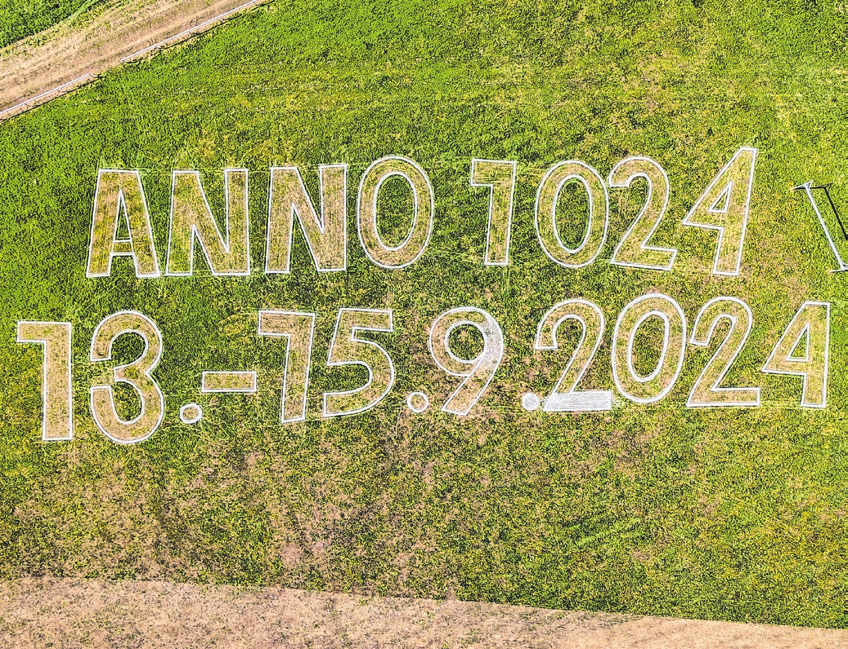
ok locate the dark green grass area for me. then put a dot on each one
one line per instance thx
(736, 514)
(22, 18)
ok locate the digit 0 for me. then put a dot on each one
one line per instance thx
(658, 383)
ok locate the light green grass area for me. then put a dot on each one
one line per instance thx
(735, 514)
(22, 18)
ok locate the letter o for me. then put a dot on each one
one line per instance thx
(413, 246)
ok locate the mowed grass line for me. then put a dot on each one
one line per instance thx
(21, 19)
(736, 515)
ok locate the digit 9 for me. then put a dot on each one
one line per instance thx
(477, 372)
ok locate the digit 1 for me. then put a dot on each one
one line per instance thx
(499, 177)
(57, 419)
(298, 330)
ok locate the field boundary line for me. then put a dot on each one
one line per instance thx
(43, 95)
(191, 30)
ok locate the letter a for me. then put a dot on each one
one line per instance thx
(118, 195)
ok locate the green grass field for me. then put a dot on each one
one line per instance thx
(19, 19)
(734, 514)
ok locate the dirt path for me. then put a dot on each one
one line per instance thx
(46, 65)
(74, 613)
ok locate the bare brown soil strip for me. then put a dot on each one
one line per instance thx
(75, 613)
(47, 65)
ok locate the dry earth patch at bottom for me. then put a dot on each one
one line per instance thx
(73, 613)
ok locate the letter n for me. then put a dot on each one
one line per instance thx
(326, 237)
(192, 220)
